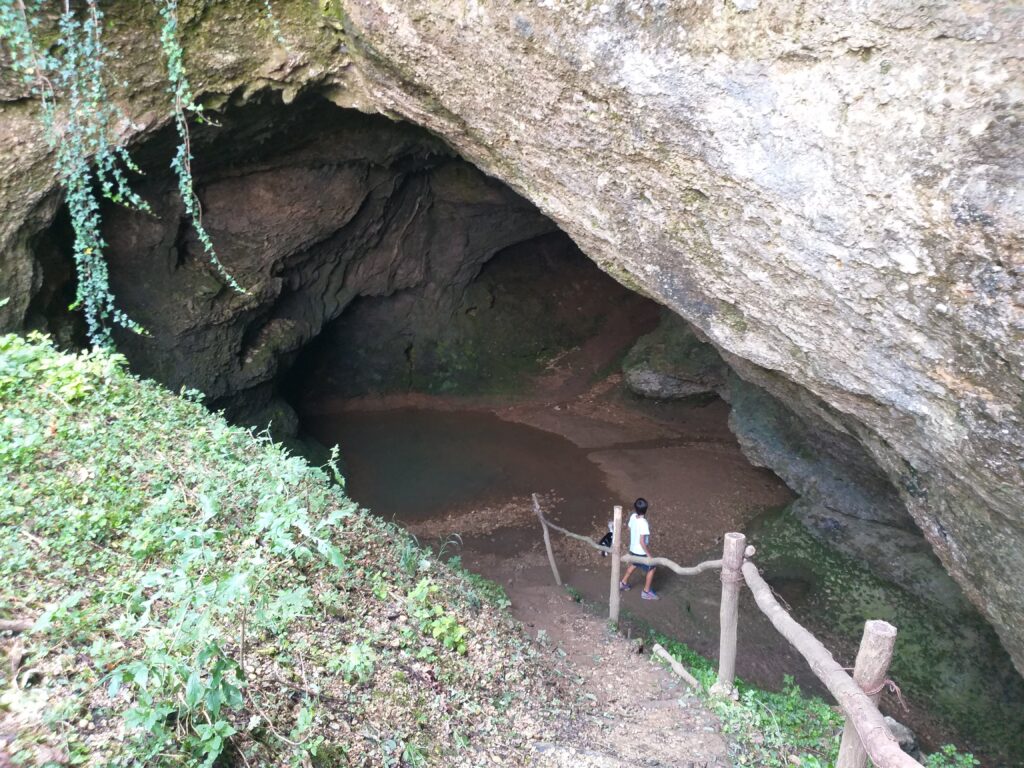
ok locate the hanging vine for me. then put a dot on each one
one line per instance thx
(78, 112)
(184, 104)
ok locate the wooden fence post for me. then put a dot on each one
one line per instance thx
(613, 594)
(732, 578)
(547, 540)
(869, 673)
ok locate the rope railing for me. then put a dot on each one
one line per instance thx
(707, 565)
(865, 733)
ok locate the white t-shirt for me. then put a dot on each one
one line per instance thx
(638, 528)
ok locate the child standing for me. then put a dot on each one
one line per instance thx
(639, 546)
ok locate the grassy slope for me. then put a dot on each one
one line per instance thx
(203, 597)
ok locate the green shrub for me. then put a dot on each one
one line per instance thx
(196, 589)
(949, 757)
(433, 620)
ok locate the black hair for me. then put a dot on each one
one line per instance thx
(640, 505)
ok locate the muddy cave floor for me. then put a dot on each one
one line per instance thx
(458, 473)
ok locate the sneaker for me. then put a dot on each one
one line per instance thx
(624, 587)
(649, 595)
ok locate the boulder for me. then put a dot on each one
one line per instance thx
(905, 738)
(671, 362)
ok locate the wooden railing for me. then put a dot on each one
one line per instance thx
(865, 733)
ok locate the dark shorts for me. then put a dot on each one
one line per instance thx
(641, 566)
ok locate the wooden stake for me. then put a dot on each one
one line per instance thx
(547, 540)
(881, 745)
(873, 660)
(678, 668)
(732, 578)
(613, 594)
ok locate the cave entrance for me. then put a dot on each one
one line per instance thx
(381, 271)
(463, 353)
(452, 401)
(477, 356)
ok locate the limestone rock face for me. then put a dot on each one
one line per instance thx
(830, 192)
(826, 467)
(845, 499)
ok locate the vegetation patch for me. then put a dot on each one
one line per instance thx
(946, 660)
(771, 729)
(200, 597)
(778, 729)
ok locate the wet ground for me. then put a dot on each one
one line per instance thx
(416, 465)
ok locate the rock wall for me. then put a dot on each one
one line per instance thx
(831, 192)
(845, 499)
(337, 206)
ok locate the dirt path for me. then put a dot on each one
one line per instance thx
(637, 712)
(571, 375)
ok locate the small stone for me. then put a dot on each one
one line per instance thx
(905, 737)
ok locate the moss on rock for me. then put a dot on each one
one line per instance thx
(671, 362)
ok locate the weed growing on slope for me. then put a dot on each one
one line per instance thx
(432, 618)
(199, 596)
(359, 663)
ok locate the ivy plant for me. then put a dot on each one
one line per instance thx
(70, 80)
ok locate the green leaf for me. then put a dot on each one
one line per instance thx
(232, 695)
(213, 701)
(305, 719)
(116, 679)
(209, 507)
(140, 673)
(193, 690)
(331, 553)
